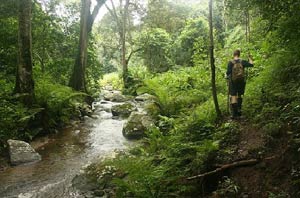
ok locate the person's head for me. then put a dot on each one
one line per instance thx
(236, 53)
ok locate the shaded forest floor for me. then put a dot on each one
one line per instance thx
(270, 177)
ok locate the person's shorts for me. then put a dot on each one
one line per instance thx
(237, 89)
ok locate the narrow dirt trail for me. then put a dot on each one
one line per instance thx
(271, 174)
(250, 139)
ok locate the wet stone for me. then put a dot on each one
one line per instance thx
(21, 152)
(114, 96)
(123, 110)
(145, 97)
(99, 193)
(77, 131)
(136, 125)
(84, 184)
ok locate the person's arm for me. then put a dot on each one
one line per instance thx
(250, 59)
(248, 63)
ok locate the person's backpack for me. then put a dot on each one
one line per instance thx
(237, 71)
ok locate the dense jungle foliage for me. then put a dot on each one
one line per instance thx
(165, 44)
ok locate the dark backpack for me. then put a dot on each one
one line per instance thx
(237, 74)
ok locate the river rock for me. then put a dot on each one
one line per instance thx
(108, 87)
(152, 108)
(85, 109)
(123, 110)
(83, 183)
(107, 95)
(136, 125)
(145, 97)
(21, 152)
(119, 98)
(114, 96)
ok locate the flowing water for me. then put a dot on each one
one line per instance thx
(64, 155)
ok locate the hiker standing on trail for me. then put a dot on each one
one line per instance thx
(237, 81)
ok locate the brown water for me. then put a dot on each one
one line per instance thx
(64, 156)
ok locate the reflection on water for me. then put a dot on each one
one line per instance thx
(63, 157)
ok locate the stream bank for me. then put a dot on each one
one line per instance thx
(64, 155)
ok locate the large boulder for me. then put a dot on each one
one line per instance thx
(136, 125)
(123, 110)
(21, 152)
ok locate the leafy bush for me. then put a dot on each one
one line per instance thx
(58, 101)
(55, 104)
(14, 117)
(274, 95)
(272, 129)
(180, 89)
(137, 74)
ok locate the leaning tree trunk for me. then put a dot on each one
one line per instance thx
(77, 80)
(24, 80)
(212, 62)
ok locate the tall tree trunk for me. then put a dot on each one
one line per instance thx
(124, 60)
(24, 79)
(248, 26)
(246, 33)
(212, 62)
(224, 15)
(77, 80)
(122, 24)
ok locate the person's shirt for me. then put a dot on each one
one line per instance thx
(230, 65)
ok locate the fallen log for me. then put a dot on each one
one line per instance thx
(227, 166)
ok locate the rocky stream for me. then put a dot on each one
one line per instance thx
(65, 154)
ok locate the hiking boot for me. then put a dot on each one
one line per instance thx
(239, 106)
(234, 110)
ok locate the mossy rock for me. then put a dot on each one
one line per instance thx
(137, 124)
(152, 109)
(146, 97)
(114, 96)
(149, 104)
(123, 110)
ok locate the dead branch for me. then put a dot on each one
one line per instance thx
(225, 167)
